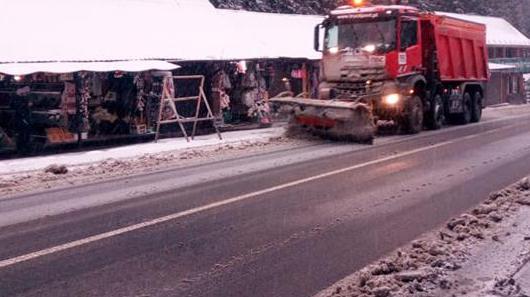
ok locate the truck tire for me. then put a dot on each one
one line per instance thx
(464, 118)
(412, 120)
(436, 116)
(476, 112)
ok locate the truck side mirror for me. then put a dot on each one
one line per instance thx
(317, 38)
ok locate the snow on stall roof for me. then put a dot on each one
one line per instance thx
(106, 30)
(274, 35)
(69, 67)
(499, 31)
(203, 4)
(110, 30)
(194, 4)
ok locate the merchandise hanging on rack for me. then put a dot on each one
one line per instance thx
(168, 111)
(153, 102)
(220, 87)
(84, 93)
(55, 109)
(68, 101)
(255, 96)
(139, 125)
(139, 82)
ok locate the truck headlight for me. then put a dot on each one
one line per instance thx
(333, 50)
(391, 99)
(370, 48)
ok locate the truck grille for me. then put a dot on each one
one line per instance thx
(362, 74)
(354, 91)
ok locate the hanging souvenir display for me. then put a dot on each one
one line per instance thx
(96, 85)
(68, 101)
(84, 94)
(169, 88)
(220, 86)
(169, 111)
(139, 82)
(153, 102)
(256, 97)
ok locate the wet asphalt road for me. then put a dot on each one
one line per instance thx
(287, 231)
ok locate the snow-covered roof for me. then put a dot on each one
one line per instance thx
(495, 66)
(272, 34)
(110, 30)
(202, 4)
(70, 67)
(499, 31)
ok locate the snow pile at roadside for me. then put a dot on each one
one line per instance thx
(135, 150)
(59, 175)
(427, 266)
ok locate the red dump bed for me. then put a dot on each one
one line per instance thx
(461, 49)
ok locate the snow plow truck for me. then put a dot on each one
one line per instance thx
(393, 64)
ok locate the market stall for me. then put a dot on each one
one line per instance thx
(54, 103)
(70, 53)
(239, 90)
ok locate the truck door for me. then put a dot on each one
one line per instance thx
(410, 54)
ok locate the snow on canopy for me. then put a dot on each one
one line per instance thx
(273, 34)
(499, 31)
(204, 4)
(70, 67)
(119, 30)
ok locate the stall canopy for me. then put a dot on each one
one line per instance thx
(70, 67)
(118, 30)
(499, 32)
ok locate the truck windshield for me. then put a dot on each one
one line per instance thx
(378, 36)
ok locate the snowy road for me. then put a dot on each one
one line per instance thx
(287, 223)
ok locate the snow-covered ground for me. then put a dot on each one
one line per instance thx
(135, 150)
(483, 253)
(13, 166)
(31, 174)
(64, 170)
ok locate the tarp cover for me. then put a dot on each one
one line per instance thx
(499, 32)
(108, 30)
(70, 67)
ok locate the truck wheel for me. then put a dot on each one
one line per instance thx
(436, 118)
(465, 117)
(412, 122)
(476, 113)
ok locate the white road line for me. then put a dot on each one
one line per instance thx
(114, 233)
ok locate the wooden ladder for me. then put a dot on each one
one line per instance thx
(180, 120)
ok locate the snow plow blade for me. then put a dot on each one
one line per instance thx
(329, 118)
